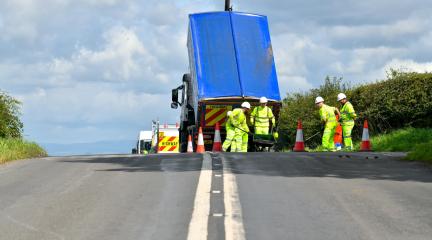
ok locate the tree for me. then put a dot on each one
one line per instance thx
(10, 123)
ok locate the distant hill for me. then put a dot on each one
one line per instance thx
(102, 147)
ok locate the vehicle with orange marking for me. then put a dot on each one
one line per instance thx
(230, 61)
(168, 138)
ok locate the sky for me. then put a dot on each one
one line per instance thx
(101, 70)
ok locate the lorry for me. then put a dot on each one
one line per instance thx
(144, 142)
(168, 138)
(161, 139)
(230, 61)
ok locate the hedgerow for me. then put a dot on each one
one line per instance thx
(401, 100)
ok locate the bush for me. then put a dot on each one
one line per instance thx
(10, 124)
(13, 149)
(302, 106)
(402, 100)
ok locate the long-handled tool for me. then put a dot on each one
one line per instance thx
(312, 136)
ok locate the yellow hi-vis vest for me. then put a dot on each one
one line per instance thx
(261, 116)
(327, 114)
(348, 114)
(238, 120)
(228, 125)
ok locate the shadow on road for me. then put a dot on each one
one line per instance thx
(147, 163)
(374, 166)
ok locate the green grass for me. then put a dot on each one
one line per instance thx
(421, 152)
(402, 140)
(14, 149)
(416, 141)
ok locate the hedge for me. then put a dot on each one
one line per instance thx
(401, 100)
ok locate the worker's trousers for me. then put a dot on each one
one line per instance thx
(346, 132)
(241, 141)
(328, 137)
(262, 130)
(230, 141)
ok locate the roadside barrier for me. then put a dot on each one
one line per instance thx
(365, 144)
(190, 146)
(299, 144)
(200, 146)
(217, 143)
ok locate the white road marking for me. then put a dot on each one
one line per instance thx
(216, 191)
(32, 228)
(234, 229)
(218, 215)
(201, 212)
(218, 175)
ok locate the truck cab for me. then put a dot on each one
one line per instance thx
(144, 142)
(230, 61)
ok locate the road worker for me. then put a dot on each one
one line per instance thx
(261, 117)
(230, 134)
(328, 117)
(241, 130)
(347, 117)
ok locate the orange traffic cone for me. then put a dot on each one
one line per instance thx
(365, 144)
(200, 146)
(299, 144)
(190, 146)
(338, 136)
(217, 142)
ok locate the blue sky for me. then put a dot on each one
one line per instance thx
(98, 70)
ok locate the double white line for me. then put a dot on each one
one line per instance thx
(233, 220)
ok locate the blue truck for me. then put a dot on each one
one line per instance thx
(230, 61)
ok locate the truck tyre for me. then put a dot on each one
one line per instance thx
(183, 139)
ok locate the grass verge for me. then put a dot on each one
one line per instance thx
(416, 141)
(14, 149)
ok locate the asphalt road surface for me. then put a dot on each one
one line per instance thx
(217, 196)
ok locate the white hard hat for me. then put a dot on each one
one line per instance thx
(246, 105)
(341, 96)
(263, 100)
(229, 113)
(318, 100)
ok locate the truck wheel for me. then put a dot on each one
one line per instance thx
(183, 140)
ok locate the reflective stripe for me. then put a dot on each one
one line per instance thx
(327, 113)
(347, 112)
(347, 121)
(261, 116)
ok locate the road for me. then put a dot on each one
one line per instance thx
(217, 196)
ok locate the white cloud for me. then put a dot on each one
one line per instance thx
(97, 69)
(388, 31)
(118, 60)
(408, 65)
(92, 107)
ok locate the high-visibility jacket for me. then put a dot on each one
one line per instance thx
(238, 120)
(228, 125)
(327, 115)
(261, 116)
(348, 114)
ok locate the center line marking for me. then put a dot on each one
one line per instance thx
(201, 211)
(233, 222)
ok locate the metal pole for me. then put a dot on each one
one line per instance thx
(228, 5)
